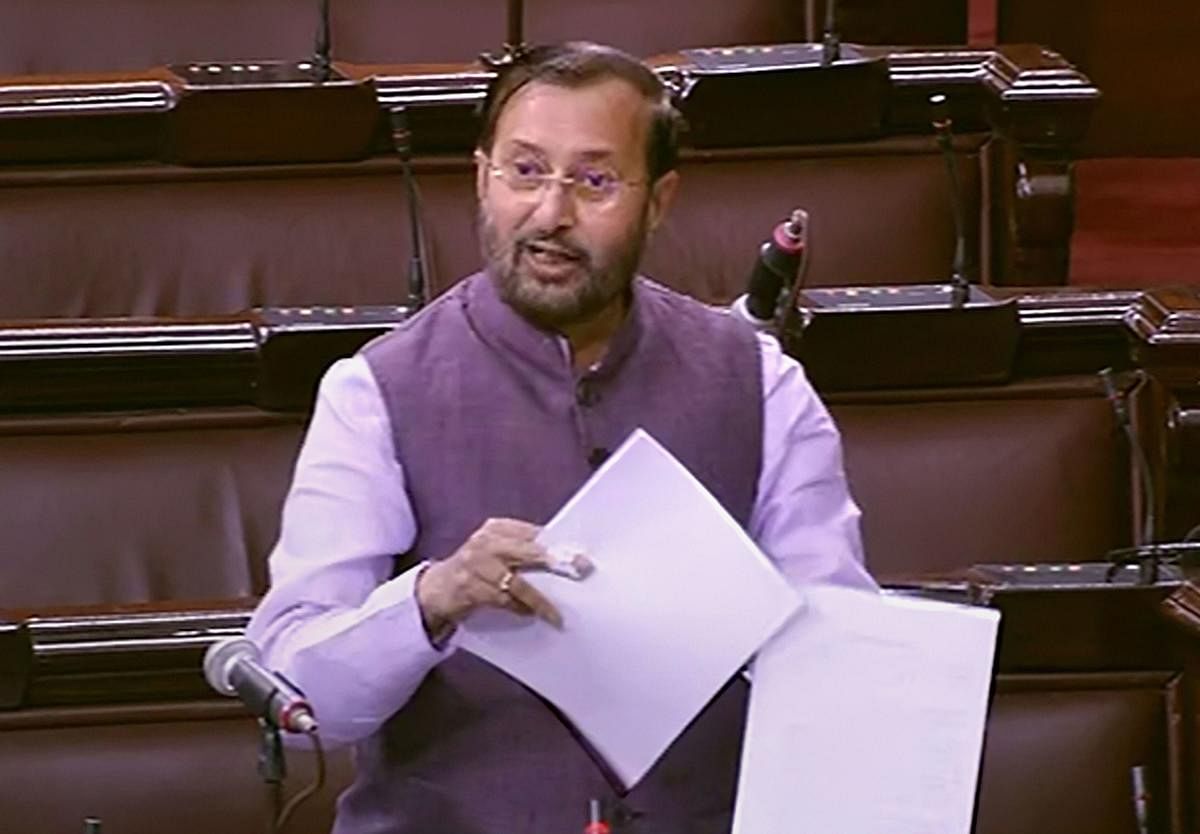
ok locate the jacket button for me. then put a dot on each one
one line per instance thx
(586, 394)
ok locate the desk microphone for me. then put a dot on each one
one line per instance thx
(779, 264)
(232, 667)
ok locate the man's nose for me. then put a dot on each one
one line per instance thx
(556, 206)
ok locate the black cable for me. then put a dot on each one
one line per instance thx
(316, 785)
(277, 804)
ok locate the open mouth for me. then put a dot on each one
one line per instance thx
(551, 252)
(550, 262)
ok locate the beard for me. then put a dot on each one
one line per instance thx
(597, 279)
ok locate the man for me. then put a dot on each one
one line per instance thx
(451, 438)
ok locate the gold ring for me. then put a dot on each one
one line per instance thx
(506, 582)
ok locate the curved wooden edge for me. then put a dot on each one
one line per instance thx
(101, 715)
(1013, 73)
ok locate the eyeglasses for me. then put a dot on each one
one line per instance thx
(592, 184)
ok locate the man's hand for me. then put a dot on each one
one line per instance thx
(485, 572)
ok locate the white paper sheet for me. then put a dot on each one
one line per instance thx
(680, 599)
(866, 717)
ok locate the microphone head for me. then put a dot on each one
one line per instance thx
(939, 111)
(792, 234)
(220, 659)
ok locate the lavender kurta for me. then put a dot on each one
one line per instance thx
(471, 413)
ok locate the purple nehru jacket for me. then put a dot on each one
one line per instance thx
(490, 420)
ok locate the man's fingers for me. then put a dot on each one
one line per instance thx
(510, 603)
(510, 528)
(485, 573)
(506, 588)
(521, 554)
(533, 601)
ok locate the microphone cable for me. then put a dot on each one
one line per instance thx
(309, 791)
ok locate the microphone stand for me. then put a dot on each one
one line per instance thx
(323, 51)
(831, 44)
(942, 123)
(516, 24)
(402, 144)
(514, 44)
(272, 767)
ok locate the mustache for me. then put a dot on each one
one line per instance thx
(554, 239)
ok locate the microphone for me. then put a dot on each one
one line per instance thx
(232, 667)
(779, 263)
(596, 822)
(942, 124)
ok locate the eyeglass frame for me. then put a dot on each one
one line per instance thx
(571, 181)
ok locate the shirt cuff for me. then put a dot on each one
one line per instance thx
(398, 597)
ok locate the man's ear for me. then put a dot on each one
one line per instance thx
(481, 173)
(662, 194)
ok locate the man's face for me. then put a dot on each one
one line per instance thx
(561, 253)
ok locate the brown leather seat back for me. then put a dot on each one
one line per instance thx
(186, 507)
(1059, 753)
(185, 242)
(133, 509)
(144, 769)
(1025, 472)
(57, 36)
